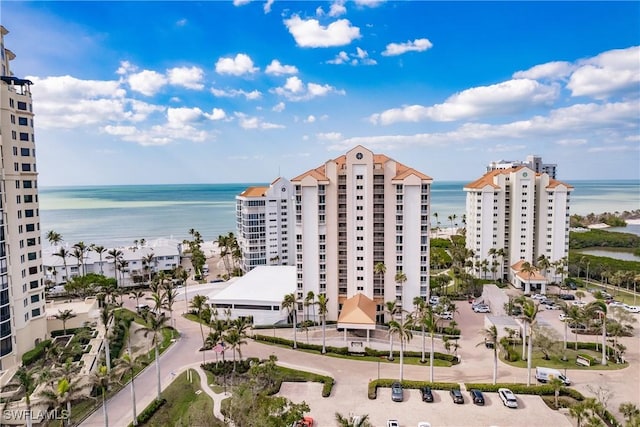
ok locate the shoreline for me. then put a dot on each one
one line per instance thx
(601, 225)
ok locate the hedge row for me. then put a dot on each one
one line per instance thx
(228, 366)
(538, 390)
(70, 331)
(149, 411)
(36, 353)
(120, 329)
(344, 351)
(386, 383)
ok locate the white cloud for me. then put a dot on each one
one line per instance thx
(248, 122)
(277, 69)
(279, 107)
(571, 142)
(502, 98)
(309, 33)
(241, 2)
(241, 64)
(551, 70)
(177, 117)
(267, 6)
(147, 82)
(296, 90)
(610, 148)
(216, 114)
(369, 3)
(125, 68)
(329, 136)
(232, 93)
(158, 135)
(360, 57)
(189, 77)
(607, 74)
(181, 22)
(337, 8)
(503, 148)
(310, 119)
(340, 58)
(418, 45)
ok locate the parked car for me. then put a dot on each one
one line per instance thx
(476, 396)
(632, 308)
(579, 303)
(572, 286)
(397, 394)
(562, 317)
(456, 396)
(550, 305)
(427, 394)
(434, 300)
(508, 398)
(304, 422)
(446, 315)
(393, 423)
(538, 297)
(567, 297)
(613, 303)
(482, 308)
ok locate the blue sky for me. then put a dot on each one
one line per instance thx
(204, 92)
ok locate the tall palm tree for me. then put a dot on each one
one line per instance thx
(127, 365)
(291, 305)
(61, 397)
(543, 264)
(599, 307)
(575, 315)
(54, 238)
(100, 250)
(400, 279)
(431, 320)
(199, 303)
(310, 301)
(64, 316)
(102, 378)
(565, 309)
(491, 336)
(64, 254)
(181, 274)
(82, 249)
(528, 269)
(235, 339)
(452, 218)
(419, 315)
(156, 324)
(529, 314)
(115, 255)
(403, 331)
(147, 260)
(323, 303)
(435, 214)
(28, 383)
(106, 315)
(136, 295)
(170, 296)
(380, 269)
(392, 309)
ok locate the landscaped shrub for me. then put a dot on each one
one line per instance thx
(538, 390)
(122, 322)
(70, 331)
(436, 355)
(372, 391)
(149, 411)
(36, 353)
(227, 367)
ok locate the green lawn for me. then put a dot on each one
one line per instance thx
(185, 407)
(557, 363)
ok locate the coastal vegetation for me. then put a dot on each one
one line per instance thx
(615, 219)
(602, 238)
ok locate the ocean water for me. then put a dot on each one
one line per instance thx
(118, 215)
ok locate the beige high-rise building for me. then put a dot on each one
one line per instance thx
(525, 216)
(353, 213)
(22, 305)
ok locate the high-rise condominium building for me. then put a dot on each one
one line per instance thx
(361, 222)
(22, 305)
(523, 215)
(532, 162)
(264, 223)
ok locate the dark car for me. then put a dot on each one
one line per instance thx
(572, 286)
(567, 297)
(456, 396)
(476, 397)
(427, 394)
(397, 394)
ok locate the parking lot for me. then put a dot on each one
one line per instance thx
(532, 411)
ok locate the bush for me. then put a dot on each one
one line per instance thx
(149, 411)
(36, 353)
(226, 367)
(537, 390)
(385, 382)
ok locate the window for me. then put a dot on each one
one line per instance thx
(24, 136)
(26, 184)
(24, 152)
(22, 105)
(26, 167)
(22, 121)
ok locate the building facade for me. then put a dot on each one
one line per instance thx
(523, 215)
(532, 162)
(22, 304)
(356, 212)
(264, 225)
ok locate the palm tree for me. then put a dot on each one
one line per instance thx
(28, 383)
(170, 296)
(528, 269)
(81, 248)
(309, 300)
(380, 269)
(100, 250)
(121, 266)
(392, 308)
(491, 336)
(529, 314)
(146, 263)
(181, 274)
(452, 218)
(403, 330)
(599, 307)
(127, 365)
(156, 324)
(419, 316)
(354, 421)
(234, 338)
(575, 316)
(136, 295)
(64, 254)
(543, 264)
(61, 396)
(323, 302)
(102, 378)
(631, 414)
(198, 303)
(400, 279)
(435, 214)
(115, 255)
(54, 238)
(291, 305)
(556, 384)
(64, 316)
(430, 321)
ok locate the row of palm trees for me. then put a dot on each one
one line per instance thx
(229, 252)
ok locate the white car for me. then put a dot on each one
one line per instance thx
(434, 300)
(579, 303)
(538, 297)
(616, 304)
(632, 308)
(424, 424)
(562, 317)
(508, 398)
(482, 309)
(393, 423)
(446, 315)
